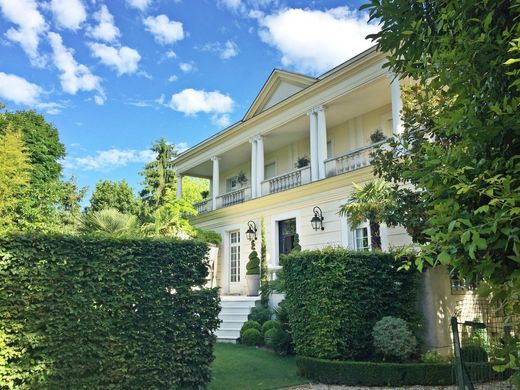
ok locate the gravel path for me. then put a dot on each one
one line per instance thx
(486, 386)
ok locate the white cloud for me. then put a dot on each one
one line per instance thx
(191, 101)
(164, 30)
(51, 108)
(315, 41)
(173, 78)
(221, 120)
(31, 24)
(233, 5)
(74, 77)
(139, 4)
(181, 147)
(19, 90)
(106, 30)
(68, 13)
(185, 67)
(171, 54)
(225, 50)
(123, 59)
(105, 160)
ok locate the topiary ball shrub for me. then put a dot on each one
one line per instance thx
(270, 324)
(393, 340)
(250, 325)
(281, 341)
(269, 337)
(260, 314)
(473, 354)
(251, 336)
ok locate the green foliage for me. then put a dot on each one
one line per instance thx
(159, 176)
(435, 357)
(14, 176)
(251, 337)
(334, 297)
(270, 324)
(296, 244)
(250, 324)
(269, 335)
(79, 312)
(393, 340)
(459, 149)
(368, 203)
(260, 314)
(37, 208)
(264, 272)
(69, 205)
(253, 265)
(109, 221)
(193, 189)
(114, 195)
(281, 340)
(208, 236)
(473, 354)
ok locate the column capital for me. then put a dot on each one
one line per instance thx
(258, 137)
(320, 108)
(215, 158)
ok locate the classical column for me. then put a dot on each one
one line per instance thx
(313, 143)
(215, 181)
(397, 104)
(179, 186)
(259, 165)
(254, 168)
(322, 141)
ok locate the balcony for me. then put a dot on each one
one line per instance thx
(287, 181)
(350, 161)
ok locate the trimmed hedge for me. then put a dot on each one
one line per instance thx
(80, 312)
(389, 374)
(335, 296)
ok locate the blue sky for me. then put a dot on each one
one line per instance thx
(116, 75)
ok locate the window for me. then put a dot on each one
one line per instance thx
(361, 239)
(270, 171)
(286, 236)
(329, 149)
(232, 184)
(234, 256)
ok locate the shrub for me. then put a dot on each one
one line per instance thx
(269, 337)
(334, 297)
(353, 373)
(281, 342)
(393, 340)
(260, 314)
(208, 236)
(270, 324)
(253, 265)
(251, 336)
(80, 312)
(434, 357)
(473, 354)
(250, 325)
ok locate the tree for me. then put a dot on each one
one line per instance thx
(159, 175)
(70, 203)
(14, 176)
(116, 195)
(109, 221)
(459, 149)
(194, 188)
(38, 209)
(368, 203)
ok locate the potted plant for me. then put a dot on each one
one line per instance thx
(253, 272)
(241, 178)
(302, 162)
(377, 136)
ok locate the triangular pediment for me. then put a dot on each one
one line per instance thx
(279, 86)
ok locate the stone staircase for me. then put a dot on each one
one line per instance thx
(233, 313)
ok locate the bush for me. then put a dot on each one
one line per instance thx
(80, 312)
(260, 314)
(270, 324)
(473, 354)
(251, 336)
(435, 357)
(269, 337)
(393, 340)
(250, 325)
(352, 373)
(334, 297)
(281, 342)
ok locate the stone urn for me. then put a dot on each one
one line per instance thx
(253, 285)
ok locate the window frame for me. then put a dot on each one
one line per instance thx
(234, 250)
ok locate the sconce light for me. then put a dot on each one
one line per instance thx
(251, 231)
(317, 220)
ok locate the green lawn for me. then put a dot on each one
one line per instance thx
(244, 368)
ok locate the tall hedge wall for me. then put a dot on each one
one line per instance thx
(99, 313)
(334, 298)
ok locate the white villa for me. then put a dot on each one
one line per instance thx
(302, 144)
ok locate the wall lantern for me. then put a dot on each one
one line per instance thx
(317, 220)
(251, 231)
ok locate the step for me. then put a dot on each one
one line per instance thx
(234, 312)
(227, 334)
(237, 304)
(233, 317)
